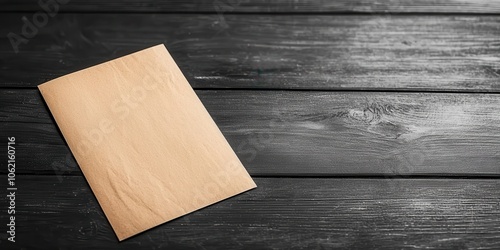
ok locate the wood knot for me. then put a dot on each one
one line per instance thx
(367, 115)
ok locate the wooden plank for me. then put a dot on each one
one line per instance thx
(259, 6)
(281, 213)
(354, 52)
(309, 132)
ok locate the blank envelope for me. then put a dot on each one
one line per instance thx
(144, 141)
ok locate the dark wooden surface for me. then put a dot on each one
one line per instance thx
(306, 213)
(311, 133)
(366, 124)
(266, 6)
(327, 52)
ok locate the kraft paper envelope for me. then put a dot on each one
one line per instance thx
(143, 140)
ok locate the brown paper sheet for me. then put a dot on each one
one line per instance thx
(143, 140)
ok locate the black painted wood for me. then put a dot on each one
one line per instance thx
(339, 52)
(265, 6)
(309, 133)
(263, 48)
(281, 213)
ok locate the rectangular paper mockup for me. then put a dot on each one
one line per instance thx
(143, 140)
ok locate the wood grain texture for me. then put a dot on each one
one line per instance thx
(355, 52)
(309, 45)
(309, 133)
(263, 6)
(281, 213)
